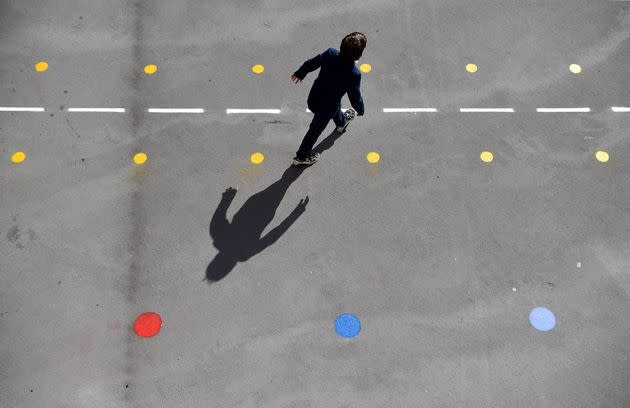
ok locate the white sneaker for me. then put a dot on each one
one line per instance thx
(348, 115)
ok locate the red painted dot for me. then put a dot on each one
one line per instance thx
(148, 324)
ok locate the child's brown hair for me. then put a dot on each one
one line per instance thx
(352, 46)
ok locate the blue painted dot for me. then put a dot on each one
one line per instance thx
(347, 325)
(542, 319)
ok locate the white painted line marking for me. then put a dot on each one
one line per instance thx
(414, 110)
(159, 110)
(230, 110)
(620, 109)
(16, 109)
(554, 110)
(118, 110)
(478, 110)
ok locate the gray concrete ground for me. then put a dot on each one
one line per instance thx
(440, 255)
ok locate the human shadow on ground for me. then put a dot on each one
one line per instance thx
(239, 240)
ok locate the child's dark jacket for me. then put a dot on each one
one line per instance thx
(336, 77)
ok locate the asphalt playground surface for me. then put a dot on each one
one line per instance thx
(441, 256)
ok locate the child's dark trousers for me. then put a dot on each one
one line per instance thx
(318, 124)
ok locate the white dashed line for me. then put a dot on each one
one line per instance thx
(414, 110)
(159, 110)
(618, 109)
(556, 110)
(479, 110)
(117, 110)
(17, 109)
(230, 110)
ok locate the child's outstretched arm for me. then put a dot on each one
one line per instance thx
(354, 94)
(309, 66)
(273, 235)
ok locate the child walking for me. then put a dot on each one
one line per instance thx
(338, 76)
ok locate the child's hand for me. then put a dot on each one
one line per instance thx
(296, 79)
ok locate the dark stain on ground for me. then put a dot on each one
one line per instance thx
(14, 233)
(139, 10)
(276, 121)
(14, 236)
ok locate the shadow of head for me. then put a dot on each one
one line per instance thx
(242, 238)
(220, 266)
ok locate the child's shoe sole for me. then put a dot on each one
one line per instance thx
(348, 116)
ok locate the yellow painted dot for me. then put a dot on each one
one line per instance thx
(472, 68)
(150, 69)
(258, 69)
(602, 156)
(140, 158)
(18, 157)
(365, 68)
(41, 66)
(487, 157)
(575, 68)
(257, 158)
(373, 157)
